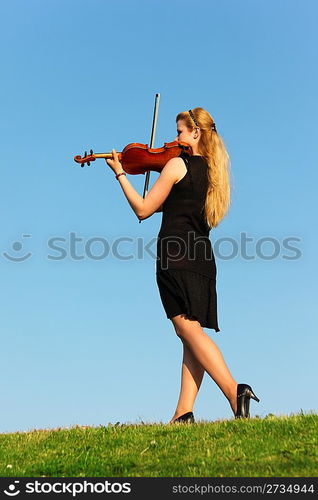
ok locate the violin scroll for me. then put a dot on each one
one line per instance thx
(85, 158)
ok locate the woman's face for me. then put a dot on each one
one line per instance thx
(184, 134)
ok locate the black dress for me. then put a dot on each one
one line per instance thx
(185, 267)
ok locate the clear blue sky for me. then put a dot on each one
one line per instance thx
(86, 341)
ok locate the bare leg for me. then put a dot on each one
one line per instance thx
(207, 354)
(191, 378)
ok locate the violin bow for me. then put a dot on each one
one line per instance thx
(152, 141)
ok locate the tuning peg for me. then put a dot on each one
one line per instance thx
(85, 154)
(91, 152)
(88, 163)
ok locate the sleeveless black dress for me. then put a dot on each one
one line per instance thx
(185, 267)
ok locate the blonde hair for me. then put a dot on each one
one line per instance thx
(212, 148)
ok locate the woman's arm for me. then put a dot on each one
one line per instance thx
(144, 207)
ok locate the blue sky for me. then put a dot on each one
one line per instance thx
(84, 338)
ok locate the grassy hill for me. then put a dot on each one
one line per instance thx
(269, 447)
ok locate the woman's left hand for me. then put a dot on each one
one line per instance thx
(114, 163)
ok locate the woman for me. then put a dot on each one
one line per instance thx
(193, 192)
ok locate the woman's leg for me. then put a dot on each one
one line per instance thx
(191, 377)
(207, 354)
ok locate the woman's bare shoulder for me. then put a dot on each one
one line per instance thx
(175, 168)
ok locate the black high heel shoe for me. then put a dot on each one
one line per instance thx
(244, 394)
(186, 418)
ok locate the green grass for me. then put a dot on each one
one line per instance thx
(270, 447)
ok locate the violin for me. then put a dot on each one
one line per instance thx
(138, 158)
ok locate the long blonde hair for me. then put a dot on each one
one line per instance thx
(212, 148)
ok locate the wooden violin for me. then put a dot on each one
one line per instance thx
(139, 158)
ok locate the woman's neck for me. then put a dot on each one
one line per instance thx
(195, 151)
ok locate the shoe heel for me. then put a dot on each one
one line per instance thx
(247, 407)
